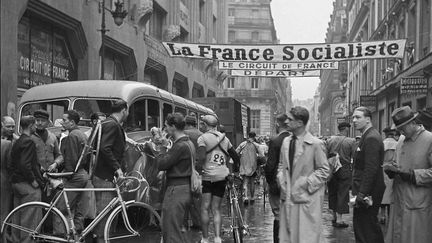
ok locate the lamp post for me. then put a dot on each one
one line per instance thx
(118, 14)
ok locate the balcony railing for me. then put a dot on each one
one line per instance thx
(243, 93)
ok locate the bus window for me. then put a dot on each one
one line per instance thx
(153, 113)
(86, 107)
(167, 109)
(55, 109)
(180, 110)
(136, 120)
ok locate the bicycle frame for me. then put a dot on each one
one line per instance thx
(233, 200)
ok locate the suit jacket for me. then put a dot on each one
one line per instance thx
(112, 147)
(368, 175)
(274, 148)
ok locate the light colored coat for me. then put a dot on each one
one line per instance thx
(411, 215)
(302, 194)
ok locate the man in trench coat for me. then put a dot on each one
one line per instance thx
(302, 172)
(411, 214)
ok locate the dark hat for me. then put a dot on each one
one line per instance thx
(343, 124)
(402, 116)
(41, 114)
(388, 130)
(190, 120)
(425, 117)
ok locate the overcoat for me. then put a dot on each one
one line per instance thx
(302, 193)
(411, 215)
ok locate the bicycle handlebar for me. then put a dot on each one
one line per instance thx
(125, 182)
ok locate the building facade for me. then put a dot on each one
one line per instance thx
(332, 107)
(383, 79)
(47, 41)
(251, 22)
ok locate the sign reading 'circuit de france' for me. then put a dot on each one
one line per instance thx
(290, 53)
(236, 65)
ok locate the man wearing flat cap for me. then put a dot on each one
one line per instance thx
(47, 147)
(411, 215)
(339, 185)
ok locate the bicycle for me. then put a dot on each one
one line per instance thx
(126, 219)
(238, 226)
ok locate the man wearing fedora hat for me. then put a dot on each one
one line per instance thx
(411, 215)
(368, 181)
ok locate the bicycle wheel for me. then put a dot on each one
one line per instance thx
(142, 218)
(52, 224)
(236, 224)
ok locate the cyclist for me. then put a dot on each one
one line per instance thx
(214, 150)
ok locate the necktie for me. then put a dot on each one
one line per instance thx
(292, 152)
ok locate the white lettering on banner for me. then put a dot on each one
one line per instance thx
(43, 68)
(290, 53)
(227, 65)
(275, 73)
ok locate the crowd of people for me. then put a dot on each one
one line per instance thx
(394, 174)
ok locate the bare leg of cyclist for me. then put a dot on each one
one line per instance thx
(252, 188)
(246, 187)
(217, 219)
(205, 218)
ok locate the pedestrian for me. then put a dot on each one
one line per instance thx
(26, 179)
(214, 152)
(302, 173)
(271, 167)
(5, 186)
(71, 149)
(368, 180)
(177, 162)
(389, 157)
(8, 129)
(340, 183)
(47, 146)
(193, 133)
(411, 212)
(110, 162)
(248, 151)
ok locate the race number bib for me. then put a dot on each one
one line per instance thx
(217, 157)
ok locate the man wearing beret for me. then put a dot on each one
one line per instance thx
(411, 215)
(339, 185)
(47, 147)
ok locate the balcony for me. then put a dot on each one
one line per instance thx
(250, 22)
(245, 93)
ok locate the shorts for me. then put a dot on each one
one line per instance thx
(216, 188)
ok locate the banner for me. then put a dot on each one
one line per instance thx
(290, 53)
(414, 85)
(224, 65)
(275, 73)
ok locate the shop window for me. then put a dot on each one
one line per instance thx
(157, 22)
(255, 119)
(44, 54)
(254, 83)
(114, 68)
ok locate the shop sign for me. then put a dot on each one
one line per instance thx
(414, 85)
(275, 73)
(228, 65)
(290, 52)
(368, 101)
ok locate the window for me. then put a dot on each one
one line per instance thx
(202, 11)
(167, 109)
(255, 36)
(255, 13)
(215, 28)
(255, 119)
(421, 103)
(157, 22)
(139, 119)
(231, 35)
(55, 109)
(211, 93)
(114, 68)
(86, 107)
(231, 12)
(230, 84)
(391, 108)
(424, 27)
(180, 110)
(254, 83)
(183, 37)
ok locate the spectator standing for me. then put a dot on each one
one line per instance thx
(177, 162)
(47, 146)
(8, 129)
(368, 180)
(5, 186)
(248, 151)
(302, 173)
(71, 149)
(110, 161)
(193, 133)
(271, 167)
(26, 179)
(214, 152)
(411, 213)
(389, 157)
(340, 184)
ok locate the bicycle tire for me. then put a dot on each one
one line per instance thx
(236, 229)
(13, 231)
(142, 217)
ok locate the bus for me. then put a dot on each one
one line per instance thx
(148, 107)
